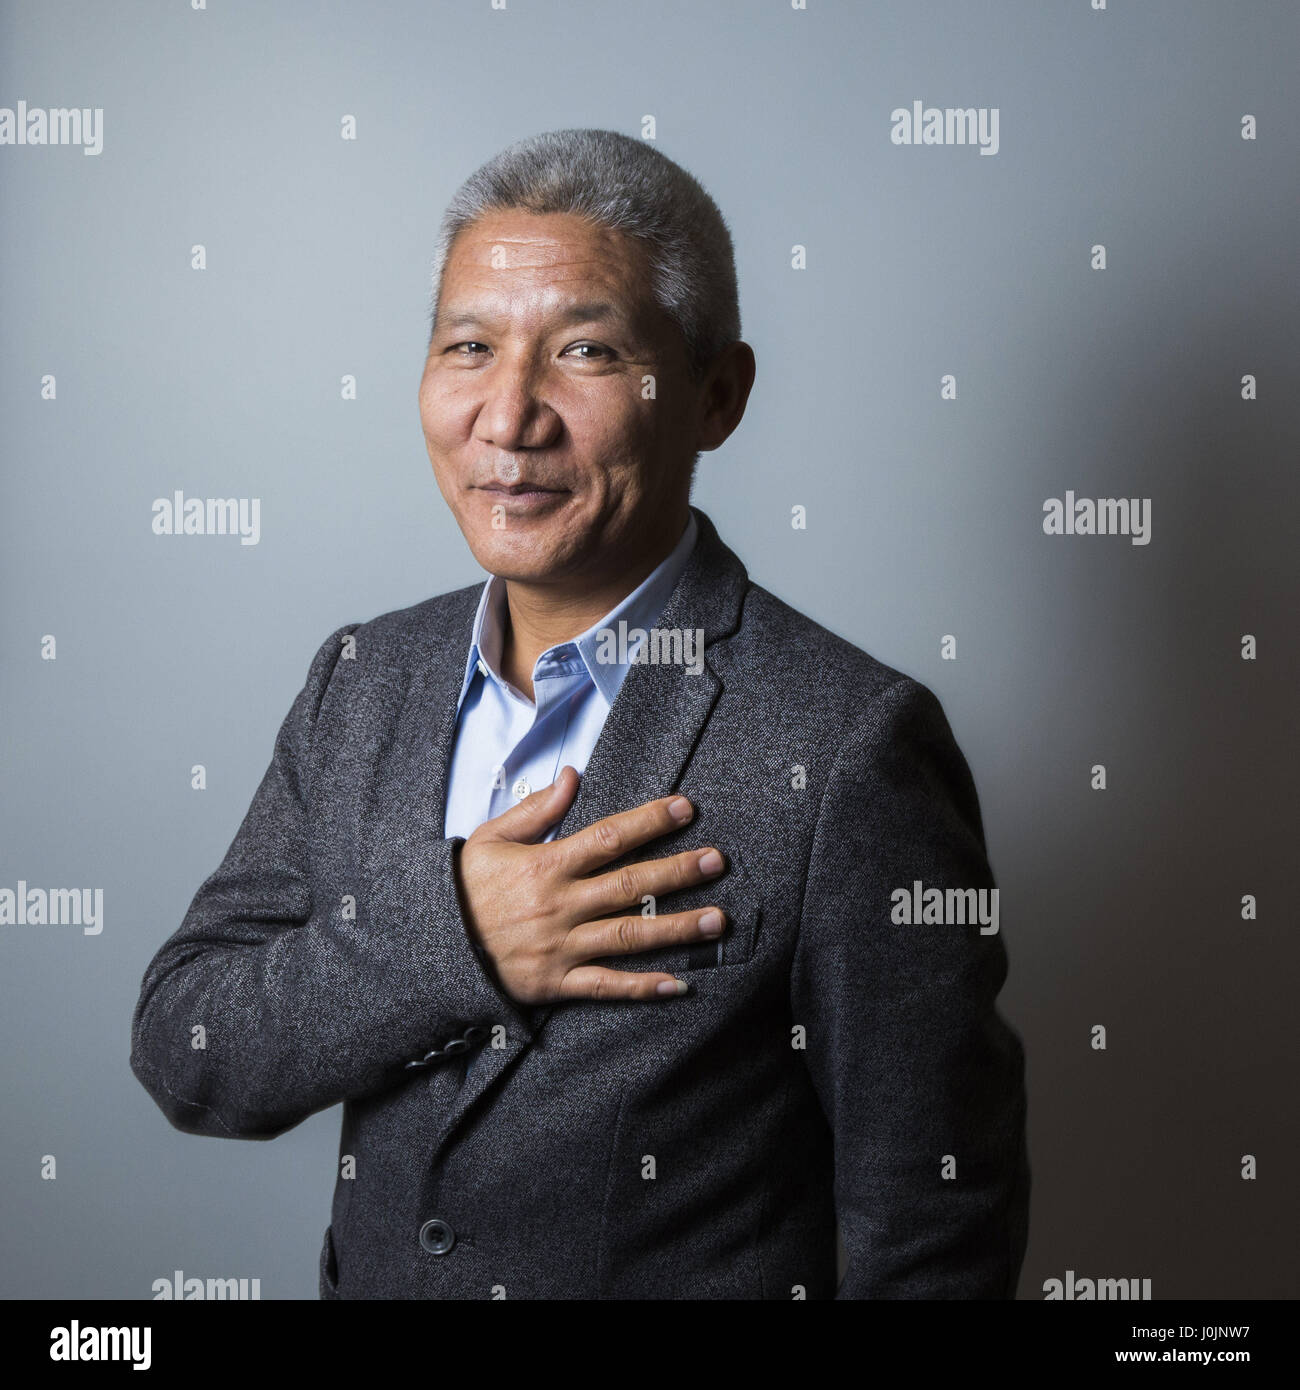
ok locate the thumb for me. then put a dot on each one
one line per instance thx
(526, 822)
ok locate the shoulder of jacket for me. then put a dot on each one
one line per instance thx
(817, 669)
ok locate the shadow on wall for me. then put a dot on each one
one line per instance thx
(1132, 897)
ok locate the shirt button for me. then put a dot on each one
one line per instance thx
(521, 789)
(437, 1237)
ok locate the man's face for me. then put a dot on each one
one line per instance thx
(534, 400)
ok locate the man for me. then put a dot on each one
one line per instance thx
(477, 896)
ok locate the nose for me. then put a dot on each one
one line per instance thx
(514, 415)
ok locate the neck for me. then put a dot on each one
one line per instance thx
(540, 616)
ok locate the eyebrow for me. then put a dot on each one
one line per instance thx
(590, 312)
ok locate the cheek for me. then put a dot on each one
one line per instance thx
(441, 414)
(616, 427)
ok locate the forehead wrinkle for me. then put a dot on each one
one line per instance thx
(544, 255)
(554, 308)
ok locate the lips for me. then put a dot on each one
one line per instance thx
(516, 489)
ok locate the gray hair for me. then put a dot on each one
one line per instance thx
(627, 186)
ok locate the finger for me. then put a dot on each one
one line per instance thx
(528, 820)
(633, 883)
(624, 936)
(596, 982)
(614, 836)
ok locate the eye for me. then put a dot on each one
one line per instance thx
(455, 347)
(589, 347)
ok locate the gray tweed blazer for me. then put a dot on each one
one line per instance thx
(827, 1065)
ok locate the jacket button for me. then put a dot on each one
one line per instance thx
(455, 1047)
(437, 1237)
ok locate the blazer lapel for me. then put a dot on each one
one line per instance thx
(647, 738)
(410, 795)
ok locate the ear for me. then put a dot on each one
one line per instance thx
(724, 394)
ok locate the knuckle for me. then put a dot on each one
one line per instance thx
(627, 882)
(627, 931)
(608, 837)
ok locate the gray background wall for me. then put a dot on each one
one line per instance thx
(1119, 907)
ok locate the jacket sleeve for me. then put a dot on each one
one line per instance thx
(266, 1006)
(921, 1080)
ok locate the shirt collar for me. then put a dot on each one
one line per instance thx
(638, 610)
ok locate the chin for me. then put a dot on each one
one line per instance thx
(516, 557)
(525, 548)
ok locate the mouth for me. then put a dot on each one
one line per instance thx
(524, 500)
(520, 492)
(520, 489)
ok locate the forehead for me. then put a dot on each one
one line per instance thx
(548, 260)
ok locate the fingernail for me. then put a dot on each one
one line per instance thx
(711, 861)
(711, 922)
(674, 987)
(680, 810)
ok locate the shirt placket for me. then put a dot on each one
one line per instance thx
(536, 756)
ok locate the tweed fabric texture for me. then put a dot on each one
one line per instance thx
(540, 1159)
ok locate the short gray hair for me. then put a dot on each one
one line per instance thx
(627, 186)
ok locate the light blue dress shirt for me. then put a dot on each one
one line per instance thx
(508, 746)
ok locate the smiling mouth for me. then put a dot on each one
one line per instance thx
(519, 489)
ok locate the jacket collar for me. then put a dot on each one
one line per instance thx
(708, 595)
(606, 662)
